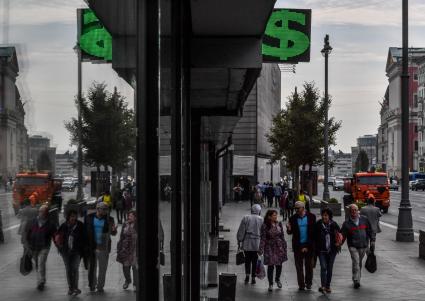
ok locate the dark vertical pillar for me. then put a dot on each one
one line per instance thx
(176, 152)
(195, 222)
(214, 178)
(405, 223)
(147, 111)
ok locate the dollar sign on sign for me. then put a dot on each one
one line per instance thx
(291, 42)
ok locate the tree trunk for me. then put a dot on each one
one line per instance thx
(297, 182)
(310, 182)
(114, 182)
(97, 181)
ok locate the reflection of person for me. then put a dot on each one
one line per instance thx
(238, 192)
(99, 228)
(39, 233)
(70, 240)
(301, 226)
(273, 246)
(126, 249)
(248, 237)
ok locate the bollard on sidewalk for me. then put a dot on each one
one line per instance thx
(1, 228)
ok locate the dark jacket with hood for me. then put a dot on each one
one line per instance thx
(79, 238)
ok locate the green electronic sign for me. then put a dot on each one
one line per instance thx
(287, 36)
(94, 40)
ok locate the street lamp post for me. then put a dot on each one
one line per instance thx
(80, 194)
(405, 224)
(327, 49)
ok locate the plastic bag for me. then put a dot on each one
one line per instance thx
(260, 271)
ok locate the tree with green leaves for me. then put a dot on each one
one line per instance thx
(362, 161)
(296, 135)
(108, 129)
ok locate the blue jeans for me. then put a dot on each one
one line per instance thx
(326, 266)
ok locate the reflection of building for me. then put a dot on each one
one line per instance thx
(389, 133)
(66, 164)
(196, 66)
(248, 161)
(368, 144)
(13, 134)
(41, 155)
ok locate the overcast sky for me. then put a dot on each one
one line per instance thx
(361, 31)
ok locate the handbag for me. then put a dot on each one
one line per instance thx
(260, 271)
(370, 264)
(25, 266)
(240, 257)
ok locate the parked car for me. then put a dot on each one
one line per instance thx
(419, 184)
(68, 185)
(394, 185)
(331, 180)
(338, 184)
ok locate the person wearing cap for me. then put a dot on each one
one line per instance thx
(248, 237)
(372, 213)
(38, 239)
(358, 233)
(99, 227)
(301, 225)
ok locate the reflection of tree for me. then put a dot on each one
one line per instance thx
(362, 161)
(44, 162)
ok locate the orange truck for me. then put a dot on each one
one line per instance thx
(39, 188)
(363, 183)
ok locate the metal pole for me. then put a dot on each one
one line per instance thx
(405, 224)
(80, 194)
(325, 51)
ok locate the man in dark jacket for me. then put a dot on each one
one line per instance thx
(358, 233)
(301, 225)
(70, 240)
(39, 234)
(99, 228)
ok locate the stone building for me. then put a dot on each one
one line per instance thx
(13, 133)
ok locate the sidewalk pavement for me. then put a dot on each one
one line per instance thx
(400, 274)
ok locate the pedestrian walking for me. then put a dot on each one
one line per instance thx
(70, 241)
(270, 194)
(290, 202)
(359, 235)
(273, 246)
(248, 237)
(39, 234)
(237, 190)
(372, 213)
(126, 249)
(327, 245)
(282, 205)
(99, 227)
(26, 214)
(119, 205)
(277, 194)
(301, 225)
(127, 203)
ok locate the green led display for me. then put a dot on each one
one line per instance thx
(95, 41)
(287, 36)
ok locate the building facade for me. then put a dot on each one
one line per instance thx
(421, 114)
(368, 144)
(13, 133)
(250, 157)
(42, 157)
(66, 164)
(389, 148)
